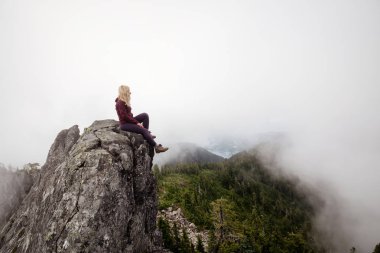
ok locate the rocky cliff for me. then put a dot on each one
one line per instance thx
(95, 193)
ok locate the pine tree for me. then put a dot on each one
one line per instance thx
(212, 242)
(200, 247)
(177, 239)
(167, 236)
(185, 245)
(224, 218)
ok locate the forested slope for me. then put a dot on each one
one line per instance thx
(241, 206)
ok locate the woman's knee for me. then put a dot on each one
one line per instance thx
(142, 116)
(131, 128)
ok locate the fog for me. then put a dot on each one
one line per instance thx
(207, 70)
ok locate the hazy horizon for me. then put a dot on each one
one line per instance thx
(206, 70)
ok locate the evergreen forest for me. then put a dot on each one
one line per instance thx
(240, 203)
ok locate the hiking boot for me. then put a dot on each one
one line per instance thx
(159, 148)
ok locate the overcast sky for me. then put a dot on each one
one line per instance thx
(204, 70)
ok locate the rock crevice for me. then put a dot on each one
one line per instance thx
(74, 212)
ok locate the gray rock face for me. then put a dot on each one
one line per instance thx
(95, 193)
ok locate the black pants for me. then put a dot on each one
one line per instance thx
(144, 119)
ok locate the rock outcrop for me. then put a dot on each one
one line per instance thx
(95, 193)
(176, 217)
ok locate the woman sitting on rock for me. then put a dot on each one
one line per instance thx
(133, 124)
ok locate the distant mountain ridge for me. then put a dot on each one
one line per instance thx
(228, 146)
(185, 152)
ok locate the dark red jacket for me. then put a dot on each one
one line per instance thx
(124, 112)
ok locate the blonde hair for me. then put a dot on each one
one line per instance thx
(125, 94)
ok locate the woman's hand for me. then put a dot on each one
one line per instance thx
(140, 125)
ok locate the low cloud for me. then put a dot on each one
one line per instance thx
(344, 199)
(14, 185)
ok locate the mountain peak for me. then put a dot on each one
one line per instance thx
(95, 193)
(186, 153)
